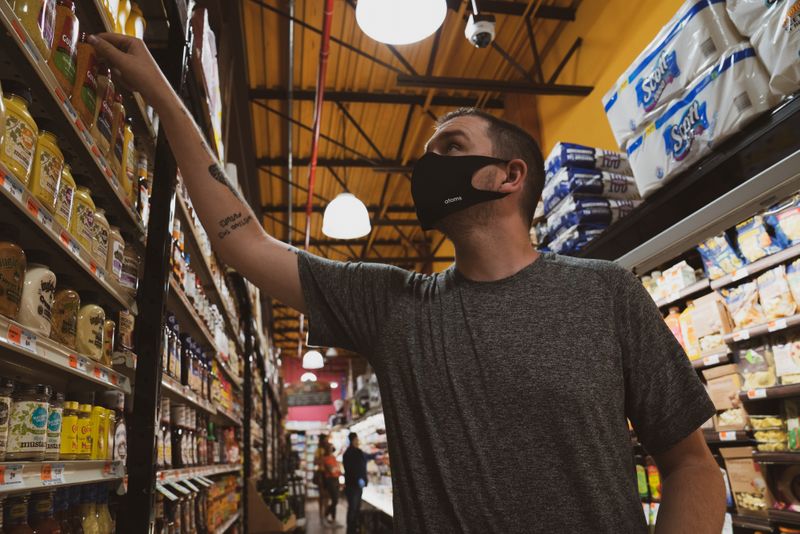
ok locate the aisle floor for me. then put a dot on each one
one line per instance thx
(313, 525)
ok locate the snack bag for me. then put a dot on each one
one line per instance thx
(785, 220)
(754, 241)
(690, 342)
(774, 294)
(742, 304)
(757, 367)
(719, 257)
(793, 278)
(786, 353)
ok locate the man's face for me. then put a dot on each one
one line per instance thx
(355, 442)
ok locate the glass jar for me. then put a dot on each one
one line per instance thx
(140, 173)
(12, 273)
(116, 253)
(130, 269)
(48, 163)
(91, 319)
(66, 305)
(70, 432)
(84, 432)
(15, 510)
(6, 389)
(65, 41)
(38, 17)
(28, 422)
(82, 226)
(117, 139)
(104, 116)
(100, 241)
(127, 171)
(19, 142)
(41, 514)
(66, 194)
(38, 291)
(54, 421)
(109, 329)
(99, 432)
(84, 92)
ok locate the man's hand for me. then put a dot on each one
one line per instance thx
(132, 65)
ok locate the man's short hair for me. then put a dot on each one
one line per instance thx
(351, 436)
(509, 141)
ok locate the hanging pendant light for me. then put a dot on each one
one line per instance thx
(308, 377)
(346, 217)
(313, 360)
(331, 353)
(400, 22)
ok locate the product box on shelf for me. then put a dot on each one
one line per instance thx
(691, 41)
(749, 488)
(715, 106)
(710, 316)
(677, 277)
(724, 383)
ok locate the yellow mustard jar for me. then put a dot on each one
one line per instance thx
(127, 174)
(135, 25)
(38, 17)
(84, 432)
(21, 131)
(48, 162)
(66, 195)
(82, 225)
(69, 431)
(100, 241)
(2, 116)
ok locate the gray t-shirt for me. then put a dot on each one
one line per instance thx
(506, 402)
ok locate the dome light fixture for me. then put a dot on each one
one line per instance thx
(308, 377)
(331, 353)
(399, 22)
(334, 385)
(313, 360)
(346, 217)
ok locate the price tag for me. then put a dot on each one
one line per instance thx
(61, 95)
(93, 267)
(52, 474)
(10, 475)
(738, 274)
(46, 220)
(774, 326)
(112, 469)
(100, 273)
(21, 338)
(73, 114)
(101, 374)
(114, 379)
(33, 208)
(758, 393)
(741, 335)
(13, 188)
(711, 360)
(95, 151)
(79, 363)
(79, 124)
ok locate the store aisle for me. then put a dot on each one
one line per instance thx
(313, 525)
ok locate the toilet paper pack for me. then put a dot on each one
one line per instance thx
(695, 38)
(773, 27)
(584, 157)
(715, 106)
(587, 182)
(591, 210)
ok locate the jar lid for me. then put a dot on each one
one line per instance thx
(33, 389)
(71, 405)
(84, 189)
(17, 88)
(85, 408)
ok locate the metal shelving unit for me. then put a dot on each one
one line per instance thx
(30, 476)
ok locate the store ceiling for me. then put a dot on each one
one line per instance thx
(373, 125)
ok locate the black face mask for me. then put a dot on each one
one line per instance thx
(441, 185)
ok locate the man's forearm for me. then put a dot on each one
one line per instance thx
(693, 501)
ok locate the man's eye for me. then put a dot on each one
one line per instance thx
(453, 146)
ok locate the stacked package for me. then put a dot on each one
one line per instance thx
(586, 190)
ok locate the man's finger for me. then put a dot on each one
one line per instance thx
(106, 49)
(123, 42)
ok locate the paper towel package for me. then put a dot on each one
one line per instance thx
(716, 105)
(584, 157)
(695, 38)
(773, 27)
(587, 182)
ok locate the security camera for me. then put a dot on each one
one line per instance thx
(480, 30)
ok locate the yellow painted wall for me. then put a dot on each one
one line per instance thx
(614, 33)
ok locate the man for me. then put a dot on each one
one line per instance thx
(355, 479)
(509, 351)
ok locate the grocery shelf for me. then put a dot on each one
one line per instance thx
(712, 359)
(227, 524)
(187, 315)
(228, 417)
(774, 392)
(172, 475)
(731, 436)
(759, 330)
(784, 517)
(757, 266)
(177, 391)
(31, 476)
(697, 287)
(777, 457)
(59, 239)
(34, 348)
(751, 522)
(50, 100)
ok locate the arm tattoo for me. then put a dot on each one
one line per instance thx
(233, 222)
(219, 175)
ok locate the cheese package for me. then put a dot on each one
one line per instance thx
(774, 294)
(724, 383)
(716, 105)
(754, 240)
(719, 257)
(742, 304)
(757, 367)
(691, 41)
(793, 278)
(677, 277)
(585, 157)
(587, 182)
(785, 220)
(710, 316)
(786, 353)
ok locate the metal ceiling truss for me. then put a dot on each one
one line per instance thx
(367, 97)
(390, 166)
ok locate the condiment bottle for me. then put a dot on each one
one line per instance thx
(16, 515)
(127, 171)
(6, 389)
(136, 24)
(70, 431)
(12, 272)
(115, 401)
(140, 172)
(109, 328)
(66, 195)
(117, 138)
(82, 226)
(38, 17)
(19, 143)
(48, 162)
(65, 41)
(122, 15)
(99, 432)
(91, 319)
(41, 514)
(143, 200)
(28, 422)
(112, 9)
(116, 253)
(653, 480)
(130, 269)
(100, 241)
(54, 423)
(84, 432)
(88, 511)
(2, 126)
(66, 305)
(35, 311)
(101, 131)
(84, 92)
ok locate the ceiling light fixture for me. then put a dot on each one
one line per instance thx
(346, 217)
(334, 385)
(331, 353)
(308, 377)
(313, 360)
(400, 22)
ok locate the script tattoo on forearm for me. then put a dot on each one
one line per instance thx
(233, 222)
(219, 175)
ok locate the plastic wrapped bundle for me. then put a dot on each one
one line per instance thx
(588, 182)
(584, 157)
(575, 238)
(576, 211)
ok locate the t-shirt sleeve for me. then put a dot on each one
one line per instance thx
(665, 399)
(347, 303)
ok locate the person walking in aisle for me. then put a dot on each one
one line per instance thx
(355, 479)
(331, 482)
(319, 476)
(507, 351)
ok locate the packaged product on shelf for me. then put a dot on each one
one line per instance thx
(785, 220)
(38, 292)
(585, 157)
(719, 257)
(774, 294)
(774, 29)
(130, 269)
(115, 153)
(65, 41)
(41, 515)
(588, 182)
(127, 169)
(139, 173)
(70, 446)
(64, 321)
(715, 106)
(757, 367)
(89, 509)
(104, 115)
(710, 319)
(122, 16)
(116, 253)
(743, 306)
(792, 409)
(109, 328)
(84, 432)
(16, 513)
(19, 142)
(723, 382)
(690, 343)
(99, 431)
(84, 92)
(6, 390)
(786, 353)
(673, 320)
(754, 241)
(100, 239)
(125, 324)
(678, 277)
(771, 440)
(749, 488)
(2, 115)
(696, 36)
(13, 264)
(599, 211)
(732, 419)
(66, 194)
(38, 17)
(48, 164)
(115, 402)
(28, 422)
(91, 319)
(54, 422)
(82, 225)
(793, 278)
(135, 25)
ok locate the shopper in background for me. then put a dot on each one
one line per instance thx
(319, 476)
(355, 479)
(508, 351)
(331, 475)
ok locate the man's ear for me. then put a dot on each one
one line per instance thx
(516, 170)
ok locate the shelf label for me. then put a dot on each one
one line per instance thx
(21, 338)
(166, 493)
(114, 379)
(100, 374)
(741, 335)
(738, 274)
(79, 363)
(112, 469)
(711, 360)
(13, 188)
(33, 208)
(70, 243)
(73, 114)
(180, 488)
(52, 474)
(774, 326)
(100, 273)
(10, 475)
(61, 95)
(758, 393)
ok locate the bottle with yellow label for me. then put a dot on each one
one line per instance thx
(135, 24)
(85, 432)
(127, 175)
(100, 241)
(116, 253)
(38, 17)
(19, 142)
(69, 431)
(66, 195)
(99, 432)
(123, 13)
(82, 225)
(2, 115)
(48, 163)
